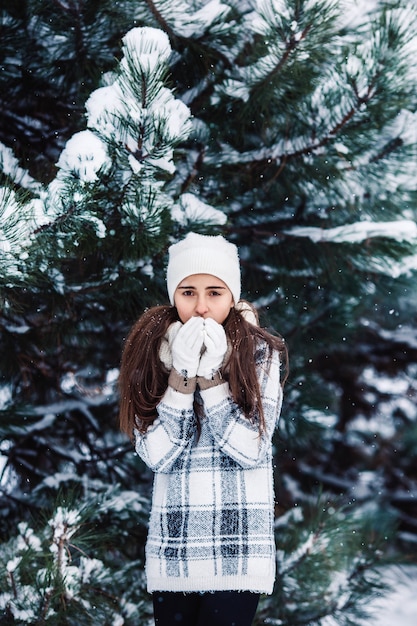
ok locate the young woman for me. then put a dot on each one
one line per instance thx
(200, 396)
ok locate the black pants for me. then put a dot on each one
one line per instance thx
(221, 608)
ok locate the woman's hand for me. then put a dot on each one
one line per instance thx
(186, 347)
(216, 345)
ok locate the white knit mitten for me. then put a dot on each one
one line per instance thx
(186, 347)
(215, 348)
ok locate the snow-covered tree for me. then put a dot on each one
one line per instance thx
(289, 125)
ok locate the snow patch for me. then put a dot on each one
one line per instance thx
(397, 606)
(400, 230)
(84, 155)
(191, 209)
(9, 165)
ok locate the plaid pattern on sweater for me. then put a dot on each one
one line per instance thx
(211, 524)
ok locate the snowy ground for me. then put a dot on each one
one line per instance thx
(399, 606)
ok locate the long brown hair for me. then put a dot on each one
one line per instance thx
(143, 379)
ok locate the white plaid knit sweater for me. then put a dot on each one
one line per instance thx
(211, 524)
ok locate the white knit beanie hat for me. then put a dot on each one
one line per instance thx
(203, 254)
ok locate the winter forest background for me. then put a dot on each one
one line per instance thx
(289, 126)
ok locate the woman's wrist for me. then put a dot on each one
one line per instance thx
(205, 383)
(181, 383)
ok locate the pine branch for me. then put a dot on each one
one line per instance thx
(13, 585)
(74, 9)
(389, 148)
(162, 22)
(300, 554)
(290, 46)
(194, 171)
(266, 155)
(46, 603)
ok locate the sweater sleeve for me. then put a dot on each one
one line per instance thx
(171, 434)
(236, 435)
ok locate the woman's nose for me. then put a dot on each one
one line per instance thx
(201, 307)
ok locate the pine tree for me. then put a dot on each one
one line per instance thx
(281, 124)
(53, 55)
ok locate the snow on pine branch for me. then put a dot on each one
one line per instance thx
(289, 562)
(284, 29)
(18, 220)
(9, 166)
(191, 209)
(400, 230)
(48, 569)
(135, 111)
(20, 213)
(403, 231)
(84, 155)
(134, 123)
(182, 20)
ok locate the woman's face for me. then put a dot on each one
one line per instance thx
(203, 295)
